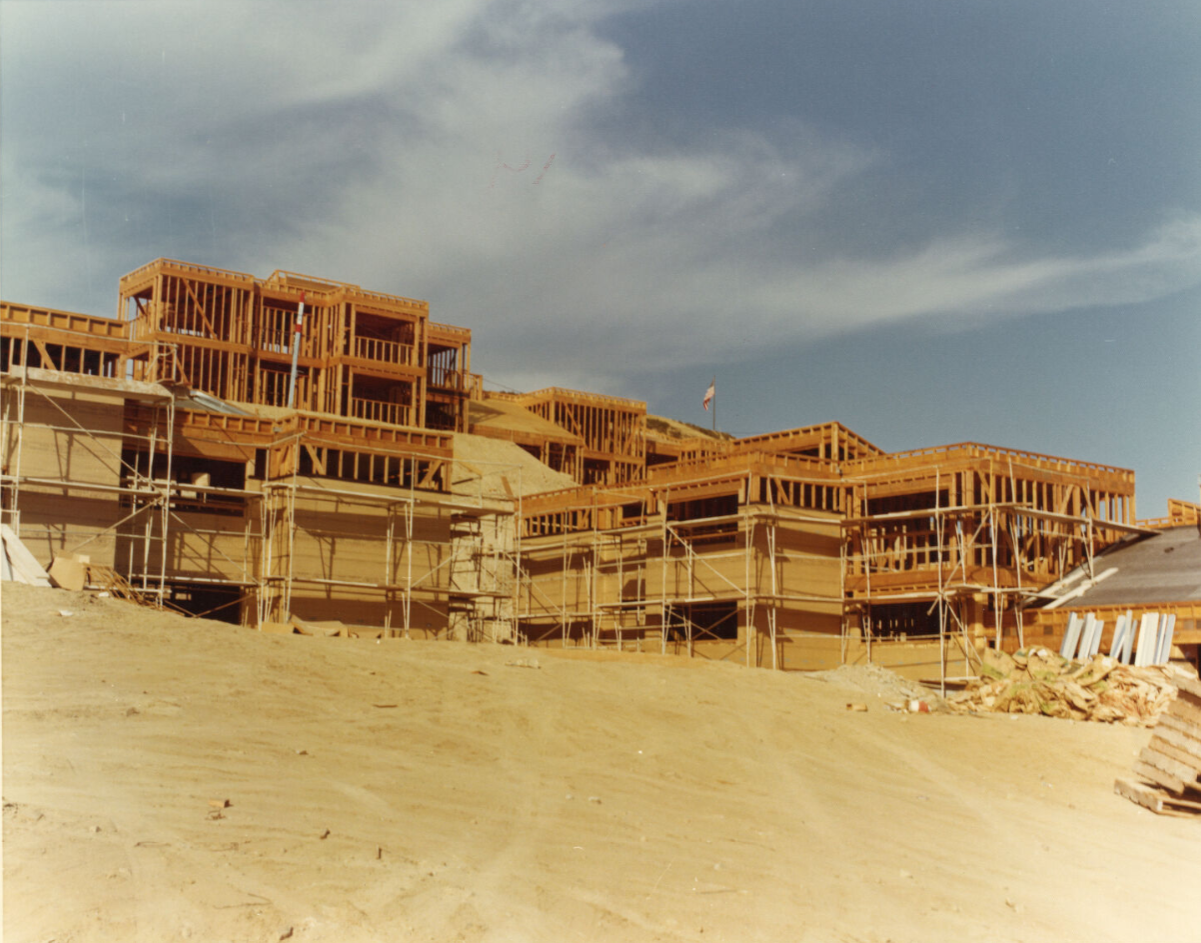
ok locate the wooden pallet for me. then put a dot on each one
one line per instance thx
(1171, 763)
(1157, 800)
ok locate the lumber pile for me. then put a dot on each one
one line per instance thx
(1039, 681)
(1170, 765)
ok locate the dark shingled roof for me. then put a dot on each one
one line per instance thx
(1162, 568)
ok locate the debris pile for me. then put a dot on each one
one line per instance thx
(1038, 681)
(875, 680)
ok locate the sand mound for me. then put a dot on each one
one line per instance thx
(169, 779)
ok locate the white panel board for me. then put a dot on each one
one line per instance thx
(1071, 637)
(1147, 636)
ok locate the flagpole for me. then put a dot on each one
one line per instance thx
(714, 402)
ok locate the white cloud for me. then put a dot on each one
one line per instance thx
(448, 151)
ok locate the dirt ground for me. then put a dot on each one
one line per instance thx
(436, 791)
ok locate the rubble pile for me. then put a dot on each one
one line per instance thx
(1039, 681)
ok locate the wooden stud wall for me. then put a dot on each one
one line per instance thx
(361, 354)
(613, 431)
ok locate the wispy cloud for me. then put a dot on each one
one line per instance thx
(452, 151)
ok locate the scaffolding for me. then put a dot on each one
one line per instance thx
(969, 533)
(942, 547)
(168, 528)
(678, 566)
(759, 548)
(136, 499)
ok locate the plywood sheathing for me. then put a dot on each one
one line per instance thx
(669, 440)
(499, 468)
(361, 546)
(503, 418)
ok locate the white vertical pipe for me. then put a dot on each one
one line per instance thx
(296, 329)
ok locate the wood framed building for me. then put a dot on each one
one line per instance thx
(162, 445)
(251, 512)
(809, 546)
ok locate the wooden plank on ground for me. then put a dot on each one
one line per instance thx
(1182, 803)
(1151, 798)
(1142, 795)
(327, 628)
(277, 628)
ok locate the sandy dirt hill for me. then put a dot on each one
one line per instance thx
(399, 791)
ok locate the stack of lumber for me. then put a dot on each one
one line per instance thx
(1038, 681)
(1170, 765)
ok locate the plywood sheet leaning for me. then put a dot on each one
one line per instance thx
(1144, 652)
(1170, 765)
(22, 565)
(68, 572)
(1121, 635)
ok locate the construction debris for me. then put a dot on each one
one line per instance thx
(876, 681)
(113, 583)
(1171, 762)
(1038, 681)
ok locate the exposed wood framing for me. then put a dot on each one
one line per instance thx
(715, 547)
(612, 428)
(362, 354)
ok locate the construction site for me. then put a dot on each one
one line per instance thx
(292, 452)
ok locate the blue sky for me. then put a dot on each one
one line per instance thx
(931, 221)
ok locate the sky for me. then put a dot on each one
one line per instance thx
(933, 222)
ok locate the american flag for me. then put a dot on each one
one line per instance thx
(709, 394)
